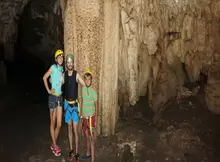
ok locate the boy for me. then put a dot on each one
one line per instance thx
(89, 113)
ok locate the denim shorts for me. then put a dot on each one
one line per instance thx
(54, 101)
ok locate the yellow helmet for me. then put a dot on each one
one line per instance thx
(58, 52)
(88, 72)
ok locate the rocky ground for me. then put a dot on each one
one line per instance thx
(185, 132)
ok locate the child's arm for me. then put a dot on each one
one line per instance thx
(96, 110)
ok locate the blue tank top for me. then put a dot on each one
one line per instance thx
(57, 78)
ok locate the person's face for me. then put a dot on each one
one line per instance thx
(88, 81)
(69, 64)
(59, 60)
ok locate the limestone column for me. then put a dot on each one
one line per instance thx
(109, 68)
(92, 34)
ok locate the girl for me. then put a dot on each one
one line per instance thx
(55, 99)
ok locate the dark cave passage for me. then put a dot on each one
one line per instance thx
(24, 109)
(40, 34)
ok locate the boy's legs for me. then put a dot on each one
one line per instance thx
(90, 140)
(88, 145)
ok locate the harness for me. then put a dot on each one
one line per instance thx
(72, 105)
(89, 124)
(89, 118)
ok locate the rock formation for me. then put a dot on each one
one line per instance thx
(139, 47)
(36, 27)
(41, 30)
(136, 47)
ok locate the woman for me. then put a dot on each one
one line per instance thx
(55, 99)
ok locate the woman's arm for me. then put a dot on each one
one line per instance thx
(45, 77)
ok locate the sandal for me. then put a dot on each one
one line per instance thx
(71, 155)
(55, 151)
(77, 157)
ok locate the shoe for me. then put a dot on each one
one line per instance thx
(77, 157)
(71, 155)
(56, 151)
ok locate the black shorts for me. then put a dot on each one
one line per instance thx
(54, 101)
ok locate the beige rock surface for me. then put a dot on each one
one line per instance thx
(156, 38)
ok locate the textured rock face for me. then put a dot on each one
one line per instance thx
(23, 20)
(10, 11)
(41, 31)
(93, 37)
(164, 36)
(136, 47)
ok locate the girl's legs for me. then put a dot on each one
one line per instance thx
(59, 121)
(52, 125)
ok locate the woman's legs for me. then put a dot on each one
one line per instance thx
(59, 121)
(52, 125)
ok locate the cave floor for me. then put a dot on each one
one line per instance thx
(185, 132)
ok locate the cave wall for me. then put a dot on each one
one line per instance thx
(10, 11)
(41, 30)
(157, 38)
(30, 32)
(136, 47)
